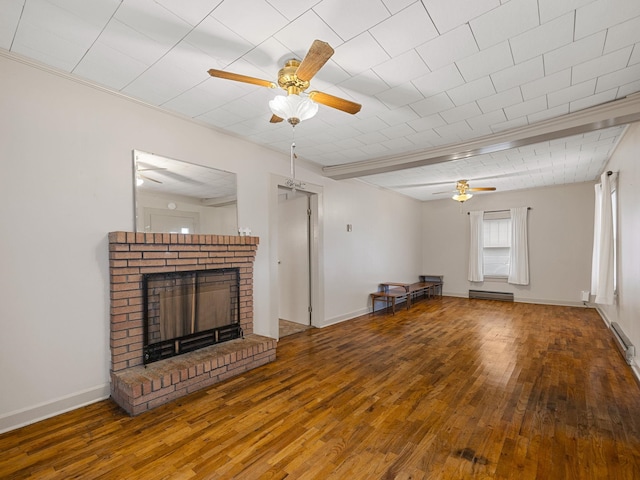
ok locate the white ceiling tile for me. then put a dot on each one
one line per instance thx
(395, 6)
(509, 124)
(601, 66)
(192, 11)
(455, 131)
(413, 22)
(504, 22)
(401, 130)
(622, 35)
(350, 19)
(550, 113)
(623, 77)
(426, 122)
(401, 69)
(219, 42)
(572, 93)
(518, 74)
(399, 96)
(349, 55)
(483, 87)
(574, 53)
(500, 100)
(263, 21)
(446, 49)
(97, 65)
(453, 13)
(292, 10)
(592, 100)
(462, 112)
(434, 104)
(550, 9)
(628, 89)
(301, 32)
(545, 38)
(602, 14)
(398, 116)
(486, 62)
(154, 21)
(529, 107)
(550, 83)
(486, 120)
(439, 81)
(11, 11)
(367, 83)
(425, 138)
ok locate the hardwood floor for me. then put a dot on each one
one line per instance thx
(451, 389)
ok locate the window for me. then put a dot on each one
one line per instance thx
(497, 244)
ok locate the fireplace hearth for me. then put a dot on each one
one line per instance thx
(205, 282)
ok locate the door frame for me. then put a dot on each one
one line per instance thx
(316, 256)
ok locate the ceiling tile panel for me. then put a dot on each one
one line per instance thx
(219, 42)
(154, 21)
(399, 96)
(518, 74)
(504, 22)
(601, 66)
(349, 55)
(415, 24)
(439, 81)
(529, 107)
(263, 21)
(481, 88)
(547, 37)
(97, 64)
(626, 76)
(434, 104)
(622, 35)
(592, 100)
(192, 11)
(350, 19)
(12, 9)
(462, 112)
(448, 48)
(574, 53)
(292, 10)
(500, 100)
(602, 14)
(394, 6)
(550, 9)
(298, 35)
(402, 69)
(453, 13)
(569, 94)
(486, 120)
(550, 83)
(486, 62)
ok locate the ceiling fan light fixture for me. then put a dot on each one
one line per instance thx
(293, 108)
(462, 197)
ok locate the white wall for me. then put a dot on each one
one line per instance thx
(560, 242)
(65, 182)
(626, 311)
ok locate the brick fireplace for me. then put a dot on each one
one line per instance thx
(138, 388)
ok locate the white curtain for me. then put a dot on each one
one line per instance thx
(476, 246)
(602, 285)
(519, 251)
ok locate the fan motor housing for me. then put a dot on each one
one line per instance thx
(289, 81)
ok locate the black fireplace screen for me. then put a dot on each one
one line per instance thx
(185, 311)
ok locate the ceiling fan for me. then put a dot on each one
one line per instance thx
(295, 77)
(140, 178)
(462, 191)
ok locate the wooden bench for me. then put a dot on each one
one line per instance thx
(428, 286)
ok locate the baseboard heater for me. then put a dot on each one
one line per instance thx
(623, 343)
(484, 295)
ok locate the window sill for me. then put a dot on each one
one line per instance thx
(496, 278)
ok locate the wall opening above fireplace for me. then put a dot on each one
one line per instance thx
(186, 311)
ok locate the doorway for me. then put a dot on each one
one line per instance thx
(294, 249)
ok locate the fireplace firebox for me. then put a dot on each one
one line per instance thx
(188, 310)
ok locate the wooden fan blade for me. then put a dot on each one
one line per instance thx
(481, 189)
(335, 102)
(276, 119)
(241, 78)
(319, 53)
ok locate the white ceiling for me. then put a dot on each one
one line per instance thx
(441, 83)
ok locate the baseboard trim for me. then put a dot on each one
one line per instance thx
(345, 317)
(29, 415)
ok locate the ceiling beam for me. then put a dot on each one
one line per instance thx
(611, 114)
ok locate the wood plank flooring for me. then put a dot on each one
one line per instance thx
(451, 389)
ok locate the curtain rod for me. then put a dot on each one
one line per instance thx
(497, 211)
